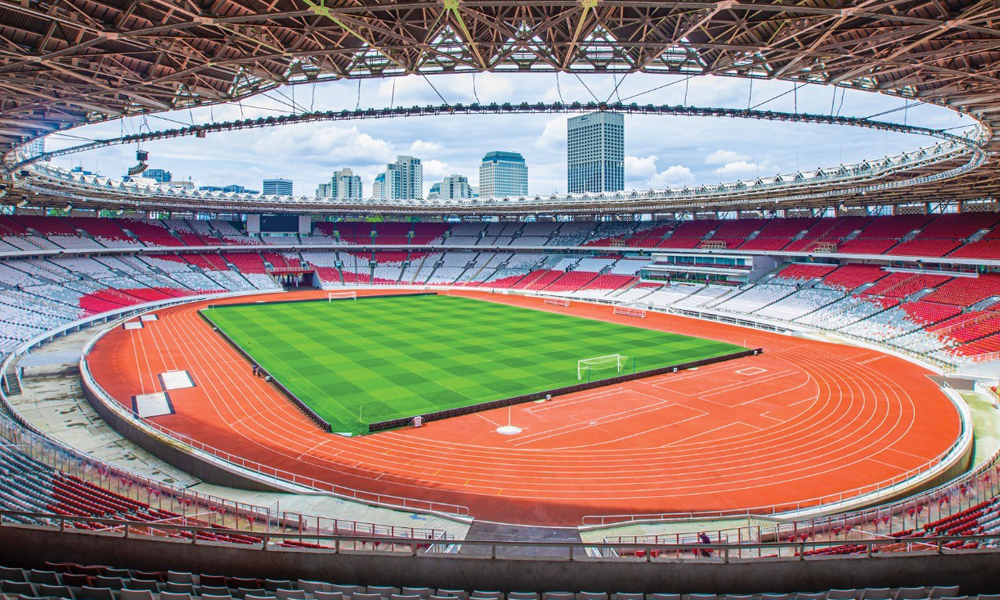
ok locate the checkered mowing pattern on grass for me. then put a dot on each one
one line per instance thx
(386, 358)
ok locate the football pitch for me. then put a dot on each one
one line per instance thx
(356, 362)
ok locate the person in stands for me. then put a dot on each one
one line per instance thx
(704, 539)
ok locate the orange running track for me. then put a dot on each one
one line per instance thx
(806, 420)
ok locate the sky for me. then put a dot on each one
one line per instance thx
(660, 151)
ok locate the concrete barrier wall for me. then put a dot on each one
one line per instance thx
(174, 453)
(976, 571)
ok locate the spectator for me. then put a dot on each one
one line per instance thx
(704, 539)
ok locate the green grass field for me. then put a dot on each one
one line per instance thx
(375, 359)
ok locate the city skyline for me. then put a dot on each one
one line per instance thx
(696, 150)
(505, 172)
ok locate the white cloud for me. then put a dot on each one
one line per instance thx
(738, 169)
(435, 171)
(640, 168)
(743, 169)
(553, 136)
(328, 144)
(721, 157)
(642, 173)
(401, 91)
(493, 87)
(665, 151)
(674, 176)
(420, 147)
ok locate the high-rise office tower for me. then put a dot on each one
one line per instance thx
(503, 174)
(405, 179)
(455, 187)
(595, 153)
(278, 187)
(343, 185)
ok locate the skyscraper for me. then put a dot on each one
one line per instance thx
(454, 187)
(158, 175)
(348, 184)
(233, 188)
(343, 185)
(503, 174)
(402, 180)
(277, 187)
(378, 187)
(595, 153)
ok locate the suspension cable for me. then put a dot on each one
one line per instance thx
(586, 87)
(435, 89)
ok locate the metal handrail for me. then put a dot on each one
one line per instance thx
(76, 464)
(828, 502)
(379, 499)
(16, 425)
(606, 550)
(260, 470)
(922, 498)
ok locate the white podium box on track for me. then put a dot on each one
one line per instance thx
(152, 405)
(133, 325)
(176, 380)
(149, 318)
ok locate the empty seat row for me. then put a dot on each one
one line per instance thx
(66, 580)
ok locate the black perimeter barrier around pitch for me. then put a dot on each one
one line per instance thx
(302, 406)
(466, 410)
(323, 423)
(307, 300)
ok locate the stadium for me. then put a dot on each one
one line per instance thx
(776, 388)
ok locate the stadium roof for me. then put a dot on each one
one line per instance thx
(68, 62)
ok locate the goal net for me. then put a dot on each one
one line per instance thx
(586, 366)
(331, 296)
(557, 301)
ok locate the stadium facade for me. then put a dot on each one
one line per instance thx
(808, 256)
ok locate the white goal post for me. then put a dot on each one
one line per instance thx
(557, 301)
(331, 296)
(610, 361)
(630, 311)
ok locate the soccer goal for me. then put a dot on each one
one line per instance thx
(630, 311)
(611, 361)
(331, 296)
(557, 301)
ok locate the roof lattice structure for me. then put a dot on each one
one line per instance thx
(69, 62)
